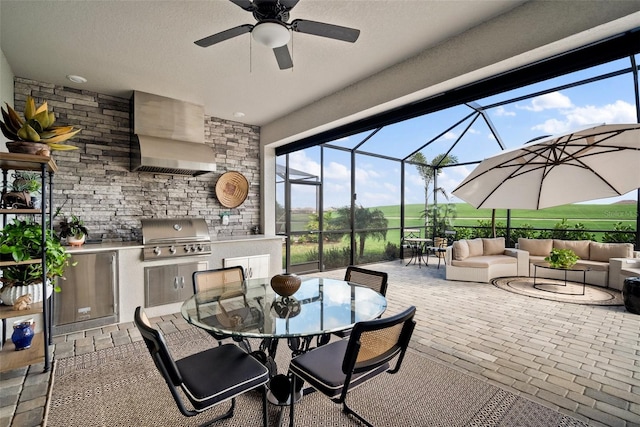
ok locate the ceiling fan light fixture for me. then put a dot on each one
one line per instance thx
(271, 34)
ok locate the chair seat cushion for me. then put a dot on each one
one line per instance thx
(322, 369)
(218, 374)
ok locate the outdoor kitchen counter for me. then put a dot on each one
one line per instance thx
(102, 247)
(131, 266)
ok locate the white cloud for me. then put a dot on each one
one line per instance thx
(299, 160)
(337, 171)
(449, 135)
(553, 100)
(618, 112)
(503, 112)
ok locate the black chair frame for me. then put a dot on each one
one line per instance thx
(355, 373)
(175, 375)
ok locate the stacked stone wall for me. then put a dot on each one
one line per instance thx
(95, 183)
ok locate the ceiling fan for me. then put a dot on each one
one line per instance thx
(273, 30)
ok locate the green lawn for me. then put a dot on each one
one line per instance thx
(592, 216)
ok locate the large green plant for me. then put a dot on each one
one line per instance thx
(562, 258)
(20, 241)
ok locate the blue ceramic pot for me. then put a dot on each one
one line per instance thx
(22, 335)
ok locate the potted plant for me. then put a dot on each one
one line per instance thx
(34, 133)
(73, 229)
(24, 189)
(562, 258)
(21, 241)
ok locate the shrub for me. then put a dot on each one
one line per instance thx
(621, 234)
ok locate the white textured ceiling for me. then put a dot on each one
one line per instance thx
(148, 45)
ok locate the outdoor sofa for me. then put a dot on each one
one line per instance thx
(608, 263)
(480, 260)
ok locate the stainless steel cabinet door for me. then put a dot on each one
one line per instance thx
(166, 284)
(89, 289)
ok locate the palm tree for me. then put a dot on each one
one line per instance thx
(428, 171)
(371, 223)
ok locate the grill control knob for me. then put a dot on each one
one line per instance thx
(172, 250)
(200, 248)
(186, 248)
(157, 251)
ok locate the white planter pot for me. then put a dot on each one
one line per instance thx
(11, 294)
(73, 241)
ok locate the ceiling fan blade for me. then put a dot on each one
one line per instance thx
(224, 35)
(289, 4)
(283, 57)
(245, 4)
(325, 30)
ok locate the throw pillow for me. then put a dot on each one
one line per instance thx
(460, 250)
(536, 247)
(475, 247)
(603, 251)
(580, 247)
(493, 246)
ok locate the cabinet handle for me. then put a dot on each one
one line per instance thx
(181, 282)
(250, 272)
(175, 283)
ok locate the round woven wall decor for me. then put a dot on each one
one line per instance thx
(232, 189)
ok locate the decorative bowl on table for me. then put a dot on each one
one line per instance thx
(285, 284)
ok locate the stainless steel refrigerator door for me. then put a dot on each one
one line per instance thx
(89, 291)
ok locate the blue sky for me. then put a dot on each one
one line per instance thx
(377, 180)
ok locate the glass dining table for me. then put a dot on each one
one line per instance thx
(251, 309)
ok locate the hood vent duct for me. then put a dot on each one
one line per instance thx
(168, 137)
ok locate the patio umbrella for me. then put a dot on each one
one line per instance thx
(588, 164)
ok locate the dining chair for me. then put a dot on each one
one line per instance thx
(376, 280)
(409, 233)
(338, 367)
(226, 284)
(208, 378)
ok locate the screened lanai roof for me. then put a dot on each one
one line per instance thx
(479, 120)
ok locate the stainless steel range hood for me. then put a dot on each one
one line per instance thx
(168, 137)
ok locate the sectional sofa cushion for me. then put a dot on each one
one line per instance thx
(475, 247)
(580, 247)
(485, 261)
(536, 247)
(460, 250)
(493, 246)
(604, 251)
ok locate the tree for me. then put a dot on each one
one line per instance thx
(428, 171)
(369, 223)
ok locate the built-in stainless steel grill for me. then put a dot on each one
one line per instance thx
(175, 237)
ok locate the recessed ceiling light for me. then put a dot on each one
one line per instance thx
(238, 114)
(76, 79)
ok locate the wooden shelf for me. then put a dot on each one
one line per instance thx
(21, 211)
(12, 359)
(29, 261)
(26, 162)
(7, 311)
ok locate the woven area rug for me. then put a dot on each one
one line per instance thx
(559, 290)
(121, 387)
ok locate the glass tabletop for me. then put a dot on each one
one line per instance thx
(253, 309)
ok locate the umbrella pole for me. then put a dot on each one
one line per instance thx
(493, 222)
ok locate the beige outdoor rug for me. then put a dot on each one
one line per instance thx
(121, 387)
(559, 290)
